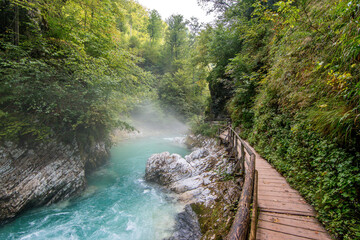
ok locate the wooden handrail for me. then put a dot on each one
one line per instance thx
(241, 224)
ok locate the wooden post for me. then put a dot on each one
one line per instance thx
(254, 209)
(242, 159)
(229, 134)
(240, 227)
(236, 150)
(235, 139)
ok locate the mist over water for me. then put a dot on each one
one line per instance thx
(151, 121)
(118, 203)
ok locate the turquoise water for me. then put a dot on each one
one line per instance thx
(118, 203)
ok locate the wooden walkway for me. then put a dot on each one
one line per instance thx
(283, 213)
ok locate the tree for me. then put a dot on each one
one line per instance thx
(154, 27)
(176, 41)
(176, 36)
(217, 5)
(67, 75)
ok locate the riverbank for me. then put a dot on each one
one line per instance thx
(204, 182)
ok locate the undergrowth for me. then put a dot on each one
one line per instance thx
(325, 174)
(207, 129)
(304, 116)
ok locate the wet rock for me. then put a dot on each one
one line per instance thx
(164, 168)
(199, 179)
(33, 176)
(187, 226)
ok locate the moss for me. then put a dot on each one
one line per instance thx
(215, 220)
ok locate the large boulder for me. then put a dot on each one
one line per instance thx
(164, 168)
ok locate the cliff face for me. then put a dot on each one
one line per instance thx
(43, 174)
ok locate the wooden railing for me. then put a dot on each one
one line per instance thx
(244, 225)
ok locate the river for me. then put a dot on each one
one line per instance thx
(118, 203)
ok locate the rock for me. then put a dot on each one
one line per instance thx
(187, 226)
(197, 179)
(95, 156)
(43, 174)
(164, 168)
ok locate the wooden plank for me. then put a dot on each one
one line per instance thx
(264, 166)
(276, 181)
(291, 230)
(276, 189)
(272, 179)
(266, 234)
(270, 174)
(291, 217)
(281, 199)
(269, 178)
(276, 184)
(273, 193)
(278, 198)
(295, 221)
(280, 182)
(305, 208)
(287, 211)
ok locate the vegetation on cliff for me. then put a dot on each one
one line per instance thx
(288, 76)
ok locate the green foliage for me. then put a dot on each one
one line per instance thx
(308, 54)
(155, 26)
(181, 85)
(295, 94)
(304, 95)
(77, 69)
(325, 174)
(66, 79)
(219, 45)
(180, 96)
(199, 126)
(176, 44)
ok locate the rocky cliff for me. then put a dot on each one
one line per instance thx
(203, 180)
(33, 176)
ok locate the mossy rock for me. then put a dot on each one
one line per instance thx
(215, 220)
